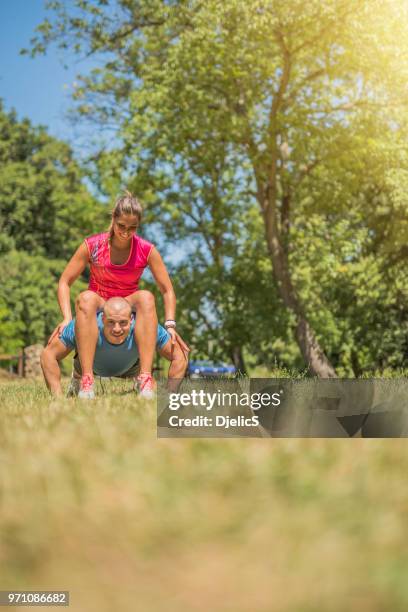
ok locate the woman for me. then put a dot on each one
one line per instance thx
(117, 260)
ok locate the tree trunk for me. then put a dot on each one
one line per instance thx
(312, 353)
(355, 364)
(238, 359)
(277, 238)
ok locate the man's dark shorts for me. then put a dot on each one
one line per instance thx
(133, 371)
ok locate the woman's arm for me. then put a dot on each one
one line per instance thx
(162, 278)
(73, 269)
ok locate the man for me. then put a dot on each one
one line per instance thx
(116, 352)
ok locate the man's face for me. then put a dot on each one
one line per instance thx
(116, 326)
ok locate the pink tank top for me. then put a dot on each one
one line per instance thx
(111, 280)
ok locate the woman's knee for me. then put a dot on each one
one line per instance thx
(87, 302)
(143, 300)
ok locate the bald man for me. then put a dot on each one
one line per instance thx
(116, 352)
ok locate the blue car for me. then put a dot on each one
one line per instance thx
(199, 369)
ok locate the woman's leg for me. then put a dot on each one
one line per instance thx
(86, 328)
(145, 328)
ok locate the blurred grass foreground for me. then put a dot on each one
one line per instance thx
(93, 503)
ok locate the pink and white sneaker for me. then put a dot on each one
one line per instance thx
(86, 388)
(144, 386)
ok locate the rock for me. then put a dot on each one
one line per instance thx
(32, 355)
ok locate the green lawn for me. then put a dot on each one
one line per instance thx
(93, 503)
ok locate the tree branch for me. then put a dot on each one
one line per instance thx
(349, 9)
(310, 77)
(306, 170)
(269, 207)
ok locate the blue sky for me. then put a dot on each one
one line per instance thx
(37, 88)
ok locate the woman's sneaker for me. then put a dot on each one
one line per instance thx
(86, 388)
(144, 386)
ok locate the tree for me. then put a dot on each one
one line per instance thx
(44, 206)
(45, 212)
(29, 309)
(273, 87)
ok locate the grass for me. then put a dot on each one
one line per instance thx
(93, 503)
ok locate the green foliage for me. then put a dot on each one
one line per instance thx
(45, 212)
(28, 305)
(44, 207)
(353, 299)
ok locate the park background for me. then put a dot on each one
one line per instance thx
(267, 141)
(268, 146)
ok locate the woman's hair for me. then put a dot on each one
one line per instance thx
(127, 204)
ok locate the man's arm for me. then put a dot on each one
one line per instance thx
(50, 358)
(178, 363)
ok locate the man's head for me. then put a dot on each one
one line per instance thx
(117, 318)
